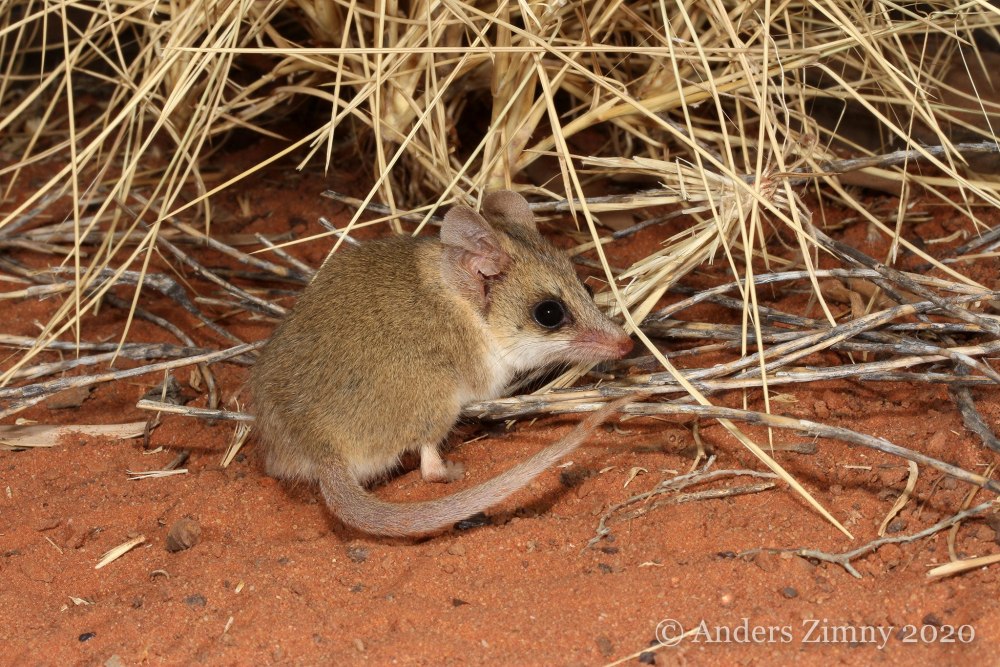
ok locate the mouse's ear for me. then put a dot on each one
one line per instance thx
(473, 256)
(508, 206)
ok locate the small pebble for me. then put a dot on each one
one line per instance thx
(184, 534)
(114, 661)
(48, 524)
(308, 534)
(892, 475)
(605, 646)
(890, 554)
(458, 602)
(69, 398)
(87, 636)
(766, 561)
(172, 395)
(574, 476)
(74, 537)
(896, 526)
(789, 592)
(647, 658)
(932, 619)
(195, 600)
(35, 570)
(456, 549)
(992, 520)
(357, 554)
(939, 441)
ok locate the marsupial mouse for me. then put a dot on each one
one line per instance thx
(391, 339)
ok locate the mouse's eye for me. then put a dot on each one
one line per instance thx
(549, 313)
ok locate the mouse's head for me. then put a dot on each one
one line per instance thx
(525, 288)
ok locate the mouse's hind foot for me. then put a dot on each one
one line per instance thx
(433, 468)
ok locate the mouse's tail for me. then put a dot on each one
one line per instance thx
(357, 507)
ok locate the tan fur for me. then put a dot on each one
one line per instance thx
(391, 339)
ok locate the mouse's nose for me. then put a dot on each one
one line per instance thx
(624, 346)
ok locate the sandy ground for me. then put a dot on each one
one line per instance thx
(274, 578)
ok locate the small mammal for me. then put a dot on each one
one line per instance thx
(391, 339)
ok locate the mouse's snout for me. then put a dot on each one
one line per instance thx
(618, 343)
(624, 346)
(599, 345)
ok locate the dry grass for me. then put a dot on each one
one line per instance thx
(728, 113)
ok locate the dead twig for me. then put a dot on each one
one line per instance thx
(203, 369)
(855, 256)
(247, 300)
(971, 417)
(28, 395)
(189, 411)
(676, 484)
(844, 559)
(804, 426)
(163, 284)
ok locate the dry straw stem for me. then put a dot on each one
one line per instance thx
(656, 646)
(239, 438)
(134, 475)
(969, 497)
(50, 435)
(710, 94)
(119, 551)
(806, 427)
(964, 565)
(904, 497)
